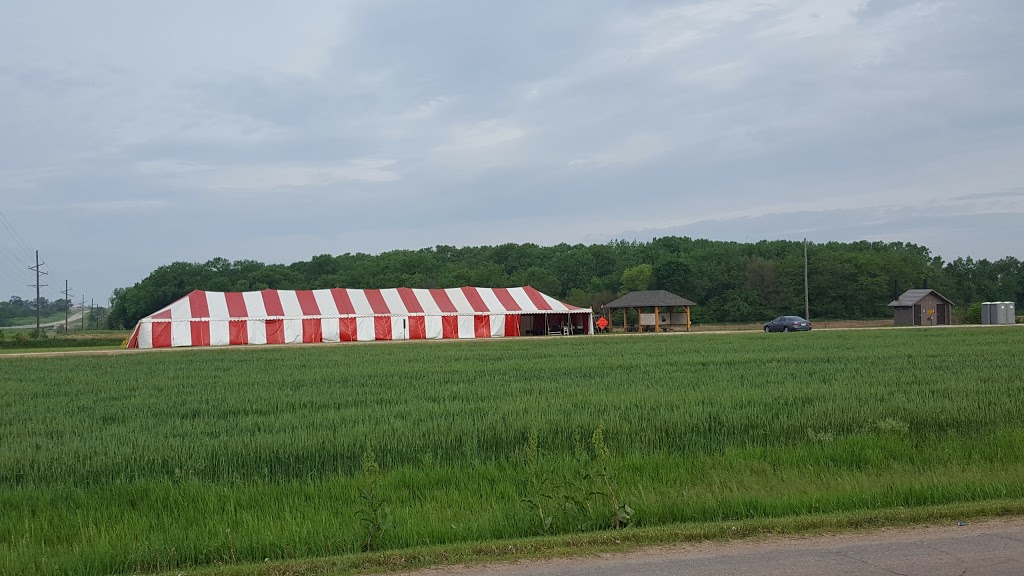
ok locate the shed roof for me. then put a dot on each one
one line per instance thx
(911, 297)
(649, 298)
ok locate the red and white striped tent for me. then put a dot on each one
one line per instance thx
(346, 315)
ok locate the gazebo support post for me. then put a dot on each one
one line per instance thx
(657, 318)
(625, 325)
(687, 318)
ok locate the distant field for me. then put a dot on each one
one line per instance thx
(151, 461)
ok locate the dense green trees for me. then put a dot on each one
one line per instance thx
(18, 308)
(731, 282)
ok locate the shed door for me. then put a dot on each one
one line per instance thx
(942, 312)
(917, 314)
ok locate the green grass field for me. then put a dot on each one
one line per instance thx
(160, 461)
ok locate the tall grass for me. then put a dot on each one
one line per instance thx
(152, 461)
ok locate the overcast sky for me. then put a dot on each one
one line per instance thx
(134, 134)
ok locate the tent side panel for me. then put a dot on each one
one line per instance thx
(257, 331)
(497, 322)
(220, 334)
(293, 330)
(382, 327)
(417, 328)
(365, 329)
(512, 322)
(238, 333)
(161, 334)
(467, 327)
(275, 331)
(331, 329)
(450, 326)
(181, 332)
(312, 332)
(399, 327)
(434, 326)
(482, 326)
(348, 330)
(200, 332)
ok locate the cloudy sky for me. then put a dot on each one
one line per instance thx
(134, 134)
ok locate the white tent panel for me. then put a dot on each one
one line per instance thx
(399, 327)
(181, 333)
(519, 295)
(181, 309)
(467, 327)
(220, 334)
(218, 304)
(292, 329)
(291, 307)
(255, 307)
(435, 328)
(426, 302)
(360, 304)
(331, 329)
(257, 330)
(328, 307)
(458, 298)
(365, 329)
(490, 300)
(497, 325)
(394, 301)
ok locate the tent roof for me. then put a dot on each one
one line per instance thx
(346, 302)
(911, 297)
(648, 299)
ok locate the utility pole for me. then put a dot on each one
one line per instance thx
(38, 270)
(807, 299)
(67, 305)
(92, 312)
(83, 312)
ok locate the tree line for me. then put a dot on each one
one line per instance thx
(729, 281)
(16, 309)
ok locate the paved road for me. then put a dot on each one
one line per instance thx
(994, 548)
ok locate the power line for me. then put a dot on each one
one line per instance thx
(12, 257)
(17, 237)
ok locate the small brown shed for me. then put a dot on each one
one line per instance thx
(923, 307)
(662, 316)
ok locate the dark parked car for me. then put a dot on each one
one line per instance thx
(787, 324)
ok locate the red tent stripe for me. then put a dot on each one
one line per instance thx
(272, 303)
(165, 315)
(474, 299)
(236, 304)
(444, 303)
(409, 299)
(536, 297)
(198, 304)
(507, 300)
(377, 303)
(307, 302)
(343, 301)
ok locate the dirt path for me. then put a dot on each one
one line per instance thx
(990, 548)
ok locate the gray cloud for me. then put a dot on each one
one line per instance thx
(135, 134)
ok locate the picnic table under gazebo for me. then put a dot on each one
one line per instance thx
(663, 303)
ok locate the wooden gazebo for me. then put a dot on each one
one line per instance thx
(660, 301)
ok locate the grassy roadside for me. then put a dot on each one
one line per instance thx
(627, 540)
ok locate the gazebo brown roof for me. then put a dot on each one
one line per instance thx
(649, 299)
(656, 299)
